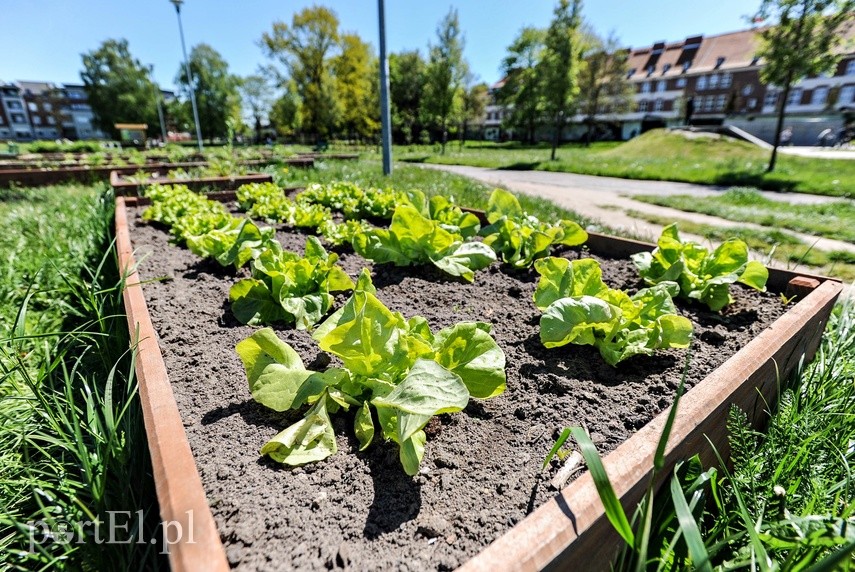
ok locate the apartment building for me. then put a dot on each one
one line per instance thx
(717, 78)
(14, 120)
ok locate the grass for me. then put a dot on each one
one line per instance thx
(834, 219)
(72, 446)
(465, 191)
(786, 504)
(662, 156)
(776, 244)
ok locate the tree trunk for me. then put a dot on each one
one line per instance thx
(463, 128)
(444, 136)
(782, 110)
(556, 137)
(590, 125)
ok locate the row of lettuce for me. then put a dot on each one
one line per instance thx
(396, 366)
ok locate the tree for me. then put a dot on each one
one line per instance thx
(257, 99)
(475, 101)
(303, 50)
(118, 87)
(520, 92)
(406, 85)
(444, 75)
(558, 69)
(357, 88)
(285, 114)
(603, 83)
(217, 97)
(801, 43)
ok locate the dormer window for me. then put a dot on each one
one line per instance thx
(686, 65)
(755, 60)
(650, 70)
(666, 68)
(630, 73)
(719, 62)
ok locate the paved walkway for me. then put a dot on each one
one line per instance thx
(607, 198)
(820, 152)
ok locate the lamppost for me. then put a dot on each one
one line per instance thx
(385, 119)
(177, 4)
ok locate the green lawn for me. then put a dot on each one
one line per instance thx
(662, 156)
(832, 220)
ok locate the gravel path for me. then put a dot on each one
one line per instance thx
(607, 198)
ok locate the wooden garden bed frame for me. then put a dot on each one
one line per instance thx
(569, 531)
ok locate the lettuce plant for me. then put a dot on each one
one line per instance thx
(702, 275)
(266, 201)
(338, 234)
(396, 374)
(351, 200)
(236, 243)
(520, 238)
(415, 239)
(444, 211)
(184, 211)
(287, 287)
(579, 308)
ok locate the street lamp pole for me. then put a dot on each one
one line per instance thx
(177, 4)
(385, 118)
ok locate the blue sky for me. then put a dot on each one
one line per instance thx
(43, 39)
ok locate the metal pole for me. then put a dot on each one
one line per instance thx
(189, 76)
(385, 116)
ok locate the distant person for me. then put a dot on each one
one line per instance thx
(787, 136)
(690, 110)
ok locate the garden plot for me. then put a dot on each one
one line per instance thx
(481, 471)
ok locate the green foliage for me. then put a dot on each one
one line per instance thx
(406, 86)
(603, 80)
(119, 88)
(217, 97)
(415, 239)
(579, 308)
(521, 91)
(207, 228)
(396, 375)
(352, 200)
(444, 75)
(268, 202)
(520, 238)
(702, 275)
(287, 287)
(304, 51)
(339, 234)
(559, 66)
(257, 97)
(357, 89)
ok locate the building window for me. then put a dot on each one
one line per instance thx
(847, 95)
(2, 121)
(719, 102)
(630, 73)
(642, 105)
(37, 120)
(771, 99)
(820, 95)
(645, 87)
(32, 106)
(661, 85)
(726, 80)
(702, 83)
(14, 105)
(659, 105)
(650, 70)
(681, 82)
(18, 118)
(714, 81)
(666, 68)
(850, 68)
(686, 65)
(747, 89)
(795, 97)
(50, 120)
(752, 103)
(719, 62)
(47, 106)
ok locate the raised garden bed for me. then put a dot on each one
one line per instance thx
(480, 475)
(37, 176)
(123, 186)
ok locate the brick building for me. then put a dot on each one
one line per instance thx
(719, 76)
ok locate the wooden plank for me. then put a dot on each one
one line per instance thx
(566, 531)
(179, 489)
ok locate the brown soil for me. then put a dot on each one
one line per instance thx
(481, 471)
